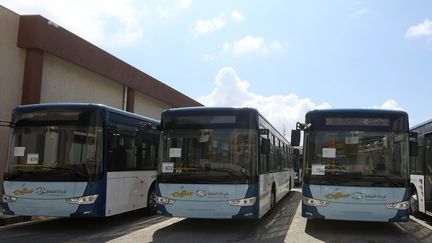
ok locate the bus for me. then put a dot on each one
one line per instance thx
(221, 163)
(79, 160)
(421, 171)
(355, 165)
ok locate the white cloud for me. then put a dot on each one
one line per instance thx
(250, 44)
(205, 26)
(237, 16)
(421, 30)
(388, 105)
(282, 111)
(208, 58)
(360, 12)
(108, 22)
(163, 13)
(185, 3)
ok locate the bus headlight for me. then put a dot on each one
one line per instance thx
(164, 200)
(398, 205)
(314, 202)
(83, 200)
(243, 202)
(9, 199)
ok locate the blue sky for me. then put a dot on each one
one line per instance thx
(282, 57)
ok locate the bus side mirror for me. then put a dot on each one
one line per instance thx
(7, 124)
(265, 145)
(413, 144)
(295, 137)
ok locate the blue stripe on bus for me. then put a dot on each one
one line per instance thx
(160, 209)
(403, 215)
(96, 209)
(250, 211)
(309, 211)
(6, 209)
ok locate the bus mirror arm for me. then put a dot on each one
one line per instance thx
(7, 124)
(303, 126)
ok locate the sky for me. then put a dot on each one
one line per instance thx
(282, 57)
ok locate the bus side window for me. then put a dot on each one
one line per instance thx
(122, 151)
(147, 142)
(263, 166)
(272, 155)
(417, 164)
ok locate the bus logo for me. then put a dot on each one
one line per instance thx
(40, 190)
(182, 194)
(357, 195)
(337, 195)
(21, 192)
(201, 193)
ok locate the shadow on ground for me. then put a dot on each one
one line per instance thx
(273, 227)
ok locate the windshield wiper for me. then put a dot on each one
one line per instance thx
(231, 172)
(18, 173)
(387, 178)
(77, 173)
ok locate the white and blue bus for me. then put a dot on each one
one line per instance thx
(355, 165)
(79, 160)
(421, 170)
(225, 163)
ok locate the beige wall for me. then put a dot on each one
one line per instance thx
(148, 106)
(12, 61)
(63, 81)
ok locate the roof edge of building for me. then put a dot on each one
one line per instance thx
(37, 32)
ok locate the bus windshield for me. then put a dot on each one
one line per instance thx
(55, 146)
(357, 158)
(228, 153)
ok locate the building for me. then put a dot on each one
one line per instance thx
(40, 62)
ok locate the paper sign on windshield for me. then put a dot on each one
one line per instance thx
(329, 153)
(318, 169)
(175, 152)
(32, 159)
(167, 167)
(19, 151)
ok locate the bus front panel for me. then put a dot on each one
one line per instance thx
(207, 201)
(57, 199)
(382, 204)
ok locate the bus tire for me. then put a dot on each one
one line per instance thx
(414, 204)
(151, 201)
(272, 197)
(290, 184)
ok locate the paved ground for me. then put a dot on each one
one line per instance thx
(11, 219)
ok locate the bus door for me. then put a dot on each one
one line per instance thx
(428, 172)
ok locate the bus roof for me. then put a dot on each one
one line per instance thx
(206, 110)
(423, 124)
(210, 109)
(363, 119)
(357, 111)
(42, 106)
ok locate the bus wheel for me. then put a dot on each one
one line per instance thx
(151, 200)
(290, 186)
(414, 205)
(272, 198)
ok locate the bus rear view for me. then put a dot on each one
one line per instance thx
(356, 165)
